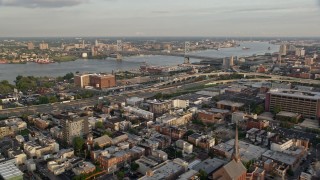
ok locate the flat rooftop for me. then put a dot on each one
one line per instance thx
(287, 114)
(9, 171)
(164, 170)
(247, 151)
(210, 165)
(296, 93)
(230, 103)
(280, 157)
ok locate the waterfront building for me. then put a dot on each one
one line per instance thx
(98, 81)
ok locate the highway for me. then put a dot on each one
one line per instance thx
(160, 87)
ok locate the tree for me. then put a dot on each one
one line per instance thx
(276, 110)
(120, 174)
(78, 143)
(53, 99)
(43, 100)
(99, 125)
(26, 83)
(6, 87)
(259, 109)
(203, 175)
(107, 132)
(188, 133)
(134, 166)
(290, 172)
(68, 76)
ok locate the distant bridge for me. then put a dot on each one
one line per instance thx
(112, 54)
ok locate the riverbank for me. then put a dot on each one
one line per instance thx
(64, 58)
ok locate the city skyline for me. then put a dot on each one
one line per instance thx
(46, 18)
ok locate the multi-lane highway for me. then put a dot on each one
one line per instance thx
(148, 90)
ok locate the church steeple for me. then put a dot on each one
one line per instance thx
(236, 151)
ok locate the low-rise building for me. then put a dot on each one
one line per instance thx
(5, 131)
(84, 168)
(8, 171)
(209, 165)
(178, 103)
(110, 162)
(160, 107)
(288, 116)
(19, 156)
(174, 132)
(40, 123)
(230, 105)
(163, 156)
(31, 165)
(189, 175)
(134, 101)
(257, 123)
(203, 141)
(175, 119)
(209, 117)
(139, 112)
(169, 170)
(146, 164)
(247, 151)
(102, 141)
(281, 158)
(184, 146)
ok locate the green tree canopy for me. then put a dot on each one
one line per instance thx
(203, 175)
(26, 83)
(68, 76)
(134, 166)
(6, 87)
(99, 124)
(43, 100)
(78, 143)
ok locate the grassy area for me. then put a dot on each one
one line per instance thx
(64, 58)
(24, 132)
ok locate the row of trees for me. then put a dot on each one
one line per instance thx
(25, 83)
(6, 87)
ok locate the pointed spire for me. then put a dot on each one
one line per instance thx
(236, 151)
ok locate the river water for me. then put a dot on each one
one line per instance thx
(10, 71)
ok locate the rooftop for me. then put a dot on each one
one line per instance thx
(280, 157)
(230, 103)
(9, 171)
(210, 165)
(287, 114)
(164, 170)
(296, 93)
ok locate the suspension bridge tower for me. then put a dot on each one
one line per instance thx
(119, 50)
(186, 52)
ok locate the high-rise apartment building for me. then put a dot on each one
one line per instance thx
(283, 49)
(74, 127)
(30, 46)
(305, 103)
(95, 80)
(228, 63)
(300, 52)
(43, 46)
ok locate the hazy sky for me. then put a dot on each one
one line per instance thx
(159, 18)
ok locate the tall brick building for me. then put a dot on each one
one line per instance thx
(305, 103)
(95, 80)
